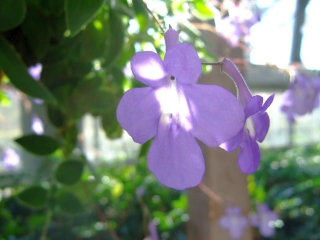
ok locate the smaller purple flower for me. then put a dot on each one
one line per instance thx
(35, 71)
(10, 159)
(237, 24)
(153, 232)
(234, 221)
(264, 219)
(37, 125)
(256, 122)
(301, 97)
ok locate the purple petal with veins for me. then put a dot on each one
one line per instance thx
(176, 111)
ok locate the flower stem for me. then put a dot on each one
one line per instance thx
(46, 225)
(211, 194)
(154, 17)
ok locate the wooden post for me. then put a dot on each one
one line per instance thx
(222, 175)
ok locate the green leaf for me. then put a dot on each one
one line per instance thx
(38, 144)
(70, 203)
(116, 34)
(17, 72)
(69, 172)
(201, 10)
(36, 32)
(95, 35)
(34, 197)
(80, 12)
(12, 13)
(142, 15)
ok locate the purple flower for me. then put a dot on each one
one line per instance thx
(10, 159)
(234, 222)
(153, 232)
(264, 219)
(256, 122)
(37, 125)
(301, 97)
(237, 24)
(175, 111)
(35, 71)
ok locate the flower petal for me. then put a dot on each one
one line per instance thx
(230, 68)
(253, 106)
(175, 157)
(138, 113)
(148, 68)
(261, 124)
(216, 114)
(249, 156)
(234, 142)
(267, 103)
(182, 62)
(171, 38)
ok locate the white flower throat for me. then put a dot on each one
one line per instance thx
(173, 105)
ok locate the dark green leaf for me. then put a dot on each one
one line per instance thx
(38, 144)
(34, 197)
(36, 32)
(12, 13)
(90, 44)
(141, 15)
(18, 74)
(116, 33)
(80, 12)
(70, 203)
(55, 116)
(69, 172)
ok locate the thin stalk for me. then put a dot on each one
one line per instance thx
(46, 225)
(211, 194)
(154, 17)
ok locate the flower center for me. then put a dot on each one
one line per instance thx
(173, 104)
(250, 127)
(172, 78)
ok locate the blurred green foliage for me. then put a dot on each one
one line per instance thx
(288, 180)
(84, 47)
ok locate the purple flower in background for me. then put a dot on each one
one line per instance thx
(301, 97)
(35, 71)
(153, 232)
(256, 124)
(237, 24)
(264, 219)
(10, 159)
(234, 222)
(37, 125)
(175, 111)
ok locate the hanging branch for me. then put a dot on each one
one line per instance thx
(154, 17)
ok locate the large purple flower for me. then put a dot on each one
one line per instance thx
(256, 122)
(176, 111)
(301, 97)
(264, 219)
(234, 221)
